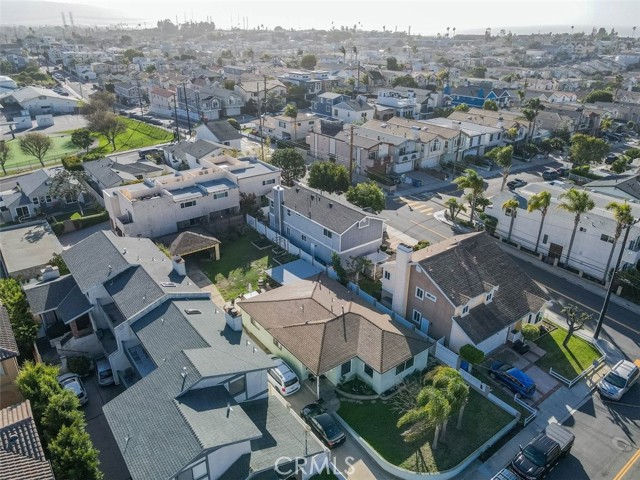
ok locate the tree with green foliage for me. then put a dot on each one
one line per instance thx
(450, 381)
(575, 319)
(234, 123)
(620, 165)
(24, 328)
(490, 105)
(70, 185)
(471, 354)
(510, 207)
(329, 177)
(341, 272)
(63, 409)
(421, 244)
(82, 138)
(624, 217)
(38, 383)
(229, 84)
(577, 202)
(130, 53)
(431, 411)
(291, 162)
(73, 456)
(308, 61)
(533, 106)
(291, 111)
(150, 69)
(632, 153)
(474, 183)
(586, 149)
(539, 201)
(357, 265)
(343, 51)
(503, 156)
(599, 96)
(367, 195)
(530, 332)
(5, 155)
(478, 72)
(35, 144)
(404, 81)
(108, 125)
(392, 64)
(58, 261)
(454, 207)
(463, 107)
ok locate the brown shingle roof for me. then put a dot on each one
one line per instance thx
(8, 345)
(21, 453)
(467, 266)
(191, 242)
(307, 319)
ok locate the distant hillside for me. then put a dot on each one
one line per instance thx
(34, 12)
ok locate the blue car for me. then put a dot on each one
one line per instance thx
(517, 381)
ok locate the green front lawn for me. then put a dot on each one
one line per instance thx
(371, 287)
(137, 135)
(61, 146)
(568, 362)
(241, 264)
(376, 423)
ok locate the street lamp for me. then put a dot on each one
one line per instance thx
(607, 297)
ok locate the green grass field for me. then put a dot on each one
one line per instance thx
(137, 135)
(20, 161)
(376, 423)
(568, 362)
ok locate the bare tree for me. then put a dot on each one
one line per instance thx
(575, 319)
(109, 125)
(35, 144)
(68, 184)
(5, 155)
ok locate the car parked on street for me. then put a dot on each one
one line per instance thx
(517, 381)
(620, 379)
(516, 183)
(73, 383)
(541, 455)
(283, 378)
(563, 171)
(323, 425)
(610, 159)
(550, 175)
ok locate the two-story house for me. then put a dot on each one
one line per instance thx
(323, 104)
(466, 287)
(174, 349)
(594, 237)
(321, 329)
(354, 111)
(203, 195)
(255, 90)
(107, 172)
(128, 93)
(321, 225)
(403, 104)
(288, 128)
(502, 119)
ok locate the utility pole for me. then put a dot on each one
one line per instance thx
(351, 157)
(186, 103)
(139, 98)
(607, 297)
(261, 125)
(175, 113)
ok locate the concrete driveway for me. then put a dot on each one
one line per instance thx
(111, 461)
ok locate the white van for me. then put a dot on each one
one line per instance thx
(283, 378)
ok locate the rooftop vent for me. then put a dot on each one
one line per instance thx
(167, 284)
(192, 311)
(330, 204)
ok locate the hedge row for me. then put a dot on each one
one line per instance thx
(83, 222)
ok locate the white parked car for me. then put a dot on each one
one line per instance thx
(620, 379)
(283, 378)
(73, 383)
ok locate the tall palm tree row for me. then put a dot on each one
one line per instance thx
(623, 216)
(343, 51)
(577, 202)
(539, 201)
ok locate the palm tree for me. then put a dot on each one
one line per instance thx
(533, 107)
(431, 411)
(510, 207)
(454, 207)
(454, 387)
(454, 31)
(448, 32)
(474, 182)
(539, 201)
(343, 51)
(577, 202)
(623, 216)
(503, 156)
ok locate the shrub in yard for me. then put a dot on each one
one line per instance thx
(471, 354)
(530, 332)
(58, 228)
(89, 220)
(420, 245)
(72, 162)
(80, 365)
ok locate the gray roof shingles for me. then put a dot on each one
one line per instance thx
(8, 345)
(223, 131)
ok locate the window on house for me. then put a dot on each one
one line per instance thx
(368, 371)
(489, 296)
(42, 200)
(191, 203)
(404, 366)
(304, 238)
(545, 238)
(35, 201)
(271, 203)
(416, 316)
(327, 233)
(387, 275)
(216, 196)
(606, 238)
(419, 293)
(465, 309)
(491, 137)
(335, 112)
(345, 368)
(288, 231)
(269, 182)
(237, 386)
(22, 211)
(430, 296)
(253, 322)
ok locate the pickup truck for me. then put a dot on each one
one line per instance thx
(538, 458)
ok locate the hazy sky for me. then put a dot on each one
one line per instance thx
(424, 16)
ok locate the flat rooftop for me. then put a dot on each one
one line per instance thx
(29, 246)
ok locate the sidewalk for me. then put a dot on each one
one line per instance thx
(594, 288)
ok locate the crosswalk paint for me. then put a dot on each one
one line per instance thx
(418, 206)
